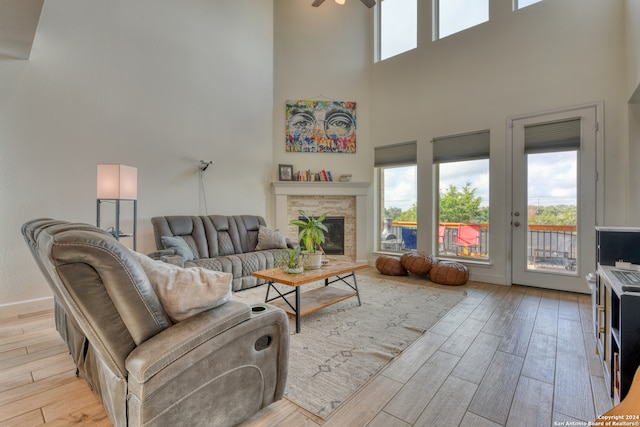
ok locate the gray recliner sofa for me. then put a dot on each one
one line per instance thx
(220, 243)
(215, 368)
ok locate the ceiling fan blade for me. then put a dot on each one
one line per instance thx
(369, 3)
(317, 3)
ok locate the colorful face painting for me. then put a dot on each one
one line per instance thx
(321, 127)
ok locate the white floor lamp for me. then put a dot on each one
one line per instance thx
(115, 183)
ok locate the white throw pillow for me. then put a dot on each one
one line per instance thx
(184, 292)
(270, 239)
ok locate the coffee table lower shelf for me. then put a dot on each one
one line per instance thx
(297, 303)
(314, 300)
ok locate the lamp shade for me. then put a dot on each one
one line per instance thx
(117, 182)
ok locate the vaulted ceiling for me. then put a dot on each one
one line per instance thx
(18, 24)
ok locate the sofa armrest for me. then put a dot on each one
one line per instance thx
(169, 345)
(173, 259)
(210, 369)
(167, 255)
(160, 253)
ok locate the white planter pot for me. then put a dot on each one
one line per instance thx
(313, 260)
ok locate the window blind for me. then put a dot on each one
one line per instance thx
(553, 136)
(396, 155)
(466, 146)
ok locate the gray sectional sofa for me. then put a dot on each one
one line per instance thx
(238, 244)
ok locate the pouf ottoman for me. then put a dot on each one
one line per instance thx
(449, 273)
(417, 263)
(390, 266)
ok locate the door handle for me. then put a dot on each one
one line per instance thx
(517, 223)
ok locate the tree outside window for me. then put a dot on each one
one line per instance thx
(463, 209)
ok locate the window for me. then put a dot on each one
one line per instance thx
(398, 27)
(552, 195)
(519, 4)
(453, 16)
(397, 184)
(462, 176)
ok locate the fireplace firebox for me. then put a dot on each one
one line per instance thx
(334, 239)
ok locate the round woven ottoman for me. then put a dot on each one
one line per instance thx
(417, 263)
(449, 273)
(390, 266)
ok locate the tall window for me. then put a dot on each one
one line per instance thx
(398, 27)
(519, 4)
(397, 183)
(453, 16)
(462, 175)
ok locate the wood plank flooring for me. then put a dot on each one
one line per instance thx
(505, 356)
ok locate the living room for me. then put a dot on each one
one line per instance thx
(160, 86)
(97, 98)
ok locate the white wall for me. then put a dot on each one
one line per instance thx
(632, 14)
(155, 84)
(554, 54)
(323, 53)
(634, 160)
(632, 26)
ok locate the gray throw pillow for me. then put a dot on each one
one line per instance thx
(270, 239)
(179, 245)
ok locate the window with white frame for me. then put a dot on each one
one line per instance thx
(397, 195)
(397, 27)
(461, 165)
(453, 16)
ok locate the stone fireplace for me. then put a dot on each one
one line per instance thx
(339, 199)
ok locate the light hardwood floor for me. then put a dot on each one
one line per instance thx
(504, 356)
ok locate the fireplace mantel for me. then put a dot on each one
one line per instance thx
(320, 188)
(360, 190)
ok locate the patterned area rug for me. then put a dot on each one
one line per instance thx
(340, 347)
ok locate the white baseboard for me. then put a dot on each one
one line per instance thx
(22, 308)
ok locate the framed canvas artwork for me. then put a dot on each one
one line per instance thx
(320, 126)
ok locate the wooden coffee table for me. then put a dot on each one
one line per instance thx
(307, 302)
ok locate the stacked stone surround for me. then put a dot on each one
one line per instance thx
(344, 206)
(348, 199)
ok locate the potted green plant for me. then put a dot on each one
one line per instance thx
(311, 236)
(291, 260)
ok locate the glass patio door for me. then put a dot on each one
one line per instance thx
(553, 214)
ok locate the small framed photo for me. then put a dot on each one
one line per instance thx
(285, 172)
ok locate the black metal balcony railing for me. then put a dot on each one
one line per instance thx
(552, 246)
(548, 246)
